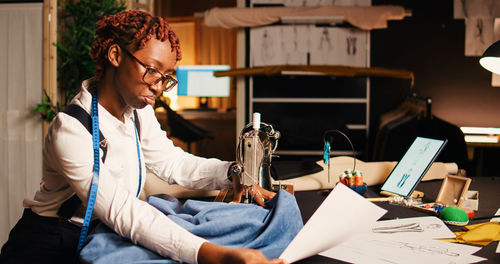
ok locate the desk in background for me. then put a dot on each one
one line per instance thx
(489, 202)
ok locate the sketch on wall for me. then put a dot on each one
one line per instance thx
(323, 46)
(295, 44)
(307, 44)
(478, 35)
(266, 46)
(479, 18)
(352, 47)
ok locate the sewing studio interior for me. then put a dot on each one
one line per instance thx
(250, 131)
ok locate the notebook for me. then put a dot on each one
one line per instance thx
(412, 167)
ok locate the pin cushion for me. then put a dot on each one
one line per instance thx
(453, 215)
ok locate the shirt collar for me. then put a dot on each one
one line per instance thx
(84, 99)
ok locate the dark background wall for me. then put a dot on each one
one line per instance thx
(431, 44)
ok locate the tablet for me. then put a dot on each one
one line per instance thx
(412, 167)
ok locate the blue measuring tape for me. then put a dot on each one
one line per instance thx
(95, 170)
(140, 163)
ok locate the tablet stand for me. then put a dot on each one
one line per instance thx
(414, 194)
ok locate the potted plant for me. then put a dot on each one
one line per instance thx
(78, 19)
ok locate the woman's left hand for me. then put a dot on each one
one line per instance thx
(259, 194)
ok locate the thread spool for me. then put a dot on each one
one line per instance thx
(358, 178)
(350, 178)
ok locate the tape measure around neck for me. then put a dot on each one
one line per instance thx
(139, 158)
(95, 172)
(96, 167)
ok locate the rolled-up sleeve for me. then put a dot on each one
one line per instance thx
(174, 165)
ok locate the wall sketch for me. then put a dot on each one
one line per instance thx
(265, 43)
(352, 47)
(307, 44)
(479, 17)
(478, 35)
(323, 46)
(295, 44)
(475, 8)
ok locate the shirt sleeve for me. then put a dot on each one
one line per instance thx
(70, 145)
(174, 165)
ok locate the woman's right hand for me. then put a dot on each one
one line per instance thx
(212, 253)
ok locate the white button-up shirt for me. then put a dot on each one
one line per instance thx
(67, 169)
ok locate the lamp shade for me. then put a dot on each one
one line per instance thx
(491, 58)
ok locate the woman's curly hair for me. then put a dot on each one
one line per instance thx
(132, 29)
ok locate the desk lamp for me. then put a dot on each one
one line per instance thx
(491, 58)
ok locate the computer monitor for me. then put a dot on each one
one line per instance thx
(199, 80)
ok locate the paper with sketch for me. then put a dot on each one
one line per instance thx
(374, 249)
(426, 227)
(342, 214)
(404, 240)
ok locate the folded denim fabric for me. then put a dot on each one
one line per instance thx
(269, 230)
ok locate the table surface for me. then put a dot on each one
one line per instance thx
(489, 203)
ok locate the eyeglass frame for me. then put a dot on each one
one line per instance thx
(163, 78)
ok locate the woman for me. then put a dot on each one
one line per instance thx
(134, 54)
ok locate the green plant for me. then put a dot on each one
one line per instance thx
(74, 64)
(47, 109)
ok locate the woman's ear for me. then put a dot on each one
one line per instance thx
(114, 55)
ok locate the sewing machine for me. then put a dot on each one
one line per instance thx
(256, 144)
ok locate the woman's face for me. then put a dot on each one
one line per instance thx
(128, 81)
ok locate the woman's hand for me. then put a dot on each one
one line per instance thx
(258, 193)
(212, 253)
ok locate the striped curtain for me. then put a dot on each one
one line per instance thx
(21, 38)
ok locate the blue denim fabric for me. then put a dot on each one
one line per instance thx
(232, 225)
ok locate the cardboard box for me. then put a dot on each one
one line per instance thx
(471, 200)
(453, 190)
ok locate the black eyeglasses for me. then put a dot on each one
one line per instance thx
(153, 76)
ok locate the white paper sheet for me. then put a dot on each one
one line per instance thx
(405, 240)
(266, 44)
(370, 248)
(324, 46)
(342, 214)
(426, 227)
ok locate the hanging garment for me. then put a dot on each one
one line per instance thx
(232, 225)
(400, 133)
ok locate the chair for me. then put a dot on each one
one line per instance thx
(183, 129)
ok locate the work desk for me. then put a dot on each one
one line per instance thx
(489, 202)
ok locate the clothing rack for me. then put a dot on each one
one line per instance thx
(428, 104)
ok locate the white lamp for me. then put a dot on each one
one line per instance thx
(491, 58)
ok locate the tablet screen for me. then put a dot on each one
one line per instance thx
(413, 166)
